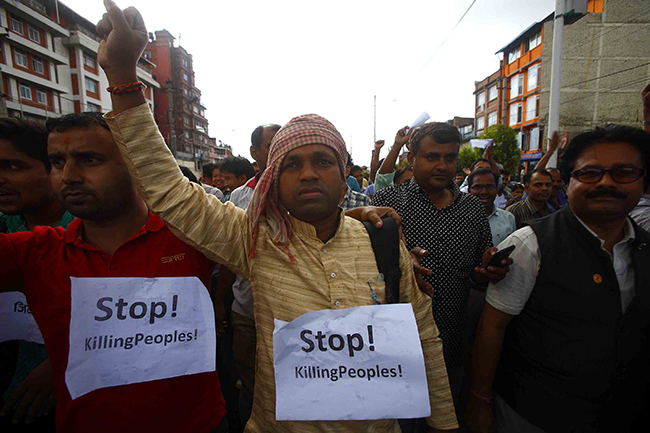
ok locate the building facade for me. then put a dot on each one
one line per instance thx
(179, 112)
(465, 126)
(49, 61)
(489, 99)
(521, 71)
(605, 65)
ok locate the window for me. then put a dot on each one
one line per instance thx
(480, 101)
(514, 55)
(187, 134)
(21, 58)
(34, 34)
(41, 97)
(480, 123)
(195, 109)
(94, 108)
(89, 60)
(25, 91)
(185, 63)
(91, 85)
(186, 121)
(534, 41)
(186, 92)
(493, 92)
(185, 77)
(533, 77)
(38, 65)
(516, 86)
(492, 118)
(532, 107)
(16, 25)
(516, 111)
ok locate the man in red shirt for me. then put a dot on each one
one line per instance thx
(115, 237)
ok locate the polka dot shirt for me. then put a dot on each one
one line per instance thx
(456, 237)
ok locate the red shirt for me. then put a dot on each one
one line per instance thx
(41, 262)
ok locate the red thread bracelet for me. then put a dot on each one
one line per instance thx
(126, 88)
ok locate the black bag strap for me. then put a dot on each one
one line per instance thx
(385, 243)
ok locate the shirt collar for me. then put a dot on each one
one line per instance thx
(455, 189)
(533, 209)
(17, 223)
(628, 232)
(73, 234)
(305, 229)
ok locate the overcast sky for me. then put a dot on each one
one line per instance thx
(260, 62)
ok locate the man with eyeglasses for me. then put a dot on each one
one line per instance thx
(482, 184)
(563, 340)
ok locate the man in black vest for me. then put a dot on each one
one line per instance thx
(563, 343)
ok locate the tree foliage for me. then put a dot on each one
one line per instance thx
(467, 155)
(506, 149)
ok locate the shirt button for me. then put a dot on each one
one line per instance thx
(325, 250)
(333, 275)
(337, 303)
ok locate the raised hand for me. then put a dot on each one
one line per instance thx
(379, 144)
(124, 38)
(402, 137)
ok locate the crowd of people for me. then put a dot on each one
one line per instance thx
(530, 298)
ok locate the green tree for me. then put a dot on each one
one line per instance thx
(467, 155)
(506, 149)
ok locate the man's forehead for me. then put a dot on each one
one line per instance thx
(484, 179)
(540, 177)
(310, 149)
(95, 139)
(610, 154)
(9, 151)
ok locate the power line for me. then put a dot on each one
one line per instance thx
(439, 46)
(620, 86)
(606, 75)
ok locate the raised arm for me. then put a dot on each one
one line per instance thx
(401, 138)
(221, 232)
(374, 162)
(553, 144)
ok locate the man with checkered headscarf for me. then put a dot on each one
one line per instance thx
(299, 250)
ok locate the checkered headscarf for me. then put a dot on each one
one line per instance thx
(300, 131)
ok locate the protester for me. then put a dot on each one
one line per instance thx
(219, 182)
(375, 163)
(357, 173)
(538, 184)
(243, 316)
(558, 196)
(114, 236)
(236, 171)
(481, 185)
(206, 173)
(517, 191)
(292, 219)
(451, 226)
(27, 200)
(460, 178)
(562, 344)
(353, 184)
(403, 175)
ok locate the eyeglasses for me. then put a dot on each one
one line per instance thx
(478, 188)
(619, 174)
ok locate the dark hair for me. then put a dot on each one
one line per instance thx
(480, 171)
(349, 162)
(506, 172)
(238, 166)
(256, 136)
(77, 120)
(207, 169)
(28, 137)
(471, 167)
(515, 186)
(529, 175)
(355, 168)
(442, 133)
(399, 173)
(188, 174)
(605, 134)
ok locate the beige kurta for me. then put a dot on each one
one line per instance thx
(330, 275)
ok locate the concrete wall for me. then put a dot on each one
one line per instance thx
(596, 46)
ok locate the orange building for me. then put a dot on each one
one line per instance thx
(521, 72)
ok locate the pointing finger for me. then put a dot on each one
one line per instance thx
(116, 16)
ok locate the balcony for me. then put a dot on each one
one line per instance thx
(36, 12)
(522, 61)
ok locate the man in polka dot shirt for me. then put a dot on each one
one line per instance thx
(448, 229)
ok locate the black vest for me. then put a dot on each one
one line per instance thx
(571, 361)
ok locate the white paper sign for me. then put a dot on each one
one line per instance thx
(16, 320)
(481, 143)
(354, 364)
(131, 330)
(420, 120)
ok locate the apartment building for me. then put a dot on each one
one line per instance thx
(521, 70)
(49, 61)
(179, 112)
(465, 126)
(488, 97)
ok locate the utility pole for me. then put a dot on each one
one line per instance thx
(556, 76)
(375, 122)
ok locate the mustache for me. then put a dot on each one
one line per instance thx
(606, 193)
(76, 189)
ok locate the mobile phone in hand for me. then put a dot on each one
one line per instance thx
(500, 255)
